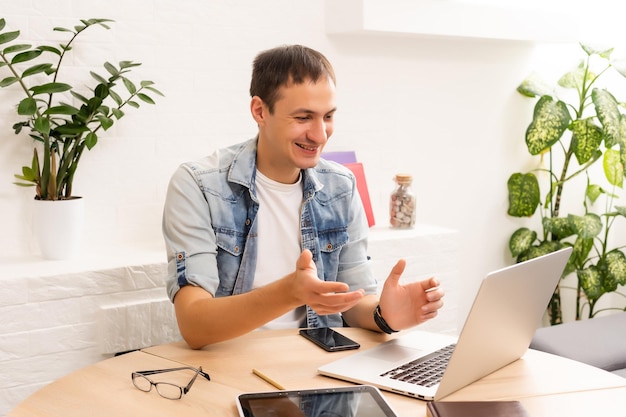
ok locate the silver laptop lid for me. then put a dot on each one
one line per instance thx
(506, 312)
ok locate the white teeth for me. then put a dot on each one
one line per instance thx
(307, 147)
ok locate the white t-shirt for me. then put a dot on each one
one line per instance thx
(278, 223)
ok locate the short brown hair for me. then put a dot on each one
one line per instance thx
(276, 67)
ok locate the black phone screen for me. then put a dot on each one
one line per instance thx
(329, 339)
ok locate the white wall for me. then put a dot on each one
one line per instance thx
(444, 110)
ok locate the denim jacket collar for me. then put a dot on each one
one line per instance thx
(243, 172)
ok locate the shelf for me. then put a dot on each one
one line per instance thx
(449, 18)
(89, 259)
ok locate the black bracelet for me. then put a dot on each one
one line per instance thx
(381, 323)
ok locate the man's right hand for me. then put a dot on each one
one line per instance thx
(324, 297)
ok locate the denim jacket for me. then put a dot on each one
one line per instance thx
(210, 230)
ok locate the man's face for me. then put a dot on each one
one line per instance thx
(293, 137)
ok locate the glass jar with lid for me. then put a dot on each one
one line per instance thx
(402, 203)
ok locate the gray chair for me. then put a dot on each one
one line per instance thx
(600, 342)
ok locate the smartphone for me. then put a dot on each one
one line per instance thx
(329, 339)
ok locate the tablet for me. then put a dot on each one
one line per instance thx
(352, 401)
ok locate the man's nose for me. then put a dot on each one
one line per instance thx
(318, 131)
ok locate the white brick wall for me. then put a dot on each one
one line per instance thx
(135, 324)
(429, 251)
(58, 316)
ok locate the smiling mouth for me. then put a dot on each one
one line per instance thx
(307, 148)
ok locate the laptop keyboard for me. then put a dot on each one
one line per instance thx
(426, 371)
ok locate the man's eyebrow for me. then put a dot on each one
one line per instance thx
(309, 111)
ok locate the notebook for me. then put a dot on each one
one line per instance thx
(506, 311)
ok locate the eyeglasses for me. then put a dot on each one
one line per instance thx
(166, 389)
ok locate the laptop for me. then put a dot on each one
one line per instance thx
(506, 311)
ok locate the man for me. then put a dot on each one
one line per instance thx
(267, 234)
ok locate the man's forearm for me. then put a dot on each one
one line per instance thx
(204, 320)
(362, 314)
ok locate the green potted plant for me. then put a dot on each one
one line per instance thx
(62, 120)
(576, 125)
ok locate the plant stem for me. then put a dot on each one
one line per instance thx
(554, 308)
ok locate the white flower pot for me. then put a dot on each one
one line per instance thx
(58, 226)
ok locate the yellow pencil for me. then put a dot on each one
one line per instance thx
(267, 379)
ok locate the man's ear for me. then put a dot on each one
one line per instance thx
(258, 110)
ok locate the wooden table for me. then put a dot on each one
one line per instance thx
(547, 385)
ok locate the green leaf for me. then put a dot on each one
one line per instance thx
(28, 174)
(620, 66)
(591, 282)
(25, 56)
(593, 192)
(154, 90)
(27, 107)
(105, 122)
(128, 64)
(534, 86)
(543, 248)
(524, 194)
(550, 120)
(91, 140)
(117, 113)
(100, 22)
(111, 69)
(613, 168)
(60, 29)
(133, 104)
(71, 129)
(616, 267)
(580, 253)
(587, 226)
(35, 165)
(116, 97)
(42, 125)
(104, 110)
(62, 109)
(575, 78)
(129, 85)
(79, 97)
(36, 69)
(608, 114)
(17, 127)
(621, 210)
(16, 48)
(604, 53)
(521, 240)
(8, 81)
(50, 88)
(46, 48)
(21, 184)
(145, 98)
(3, 23)
(9, 36)
(98, 78)
(586, 139)
(559, 227)
(101, 91)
